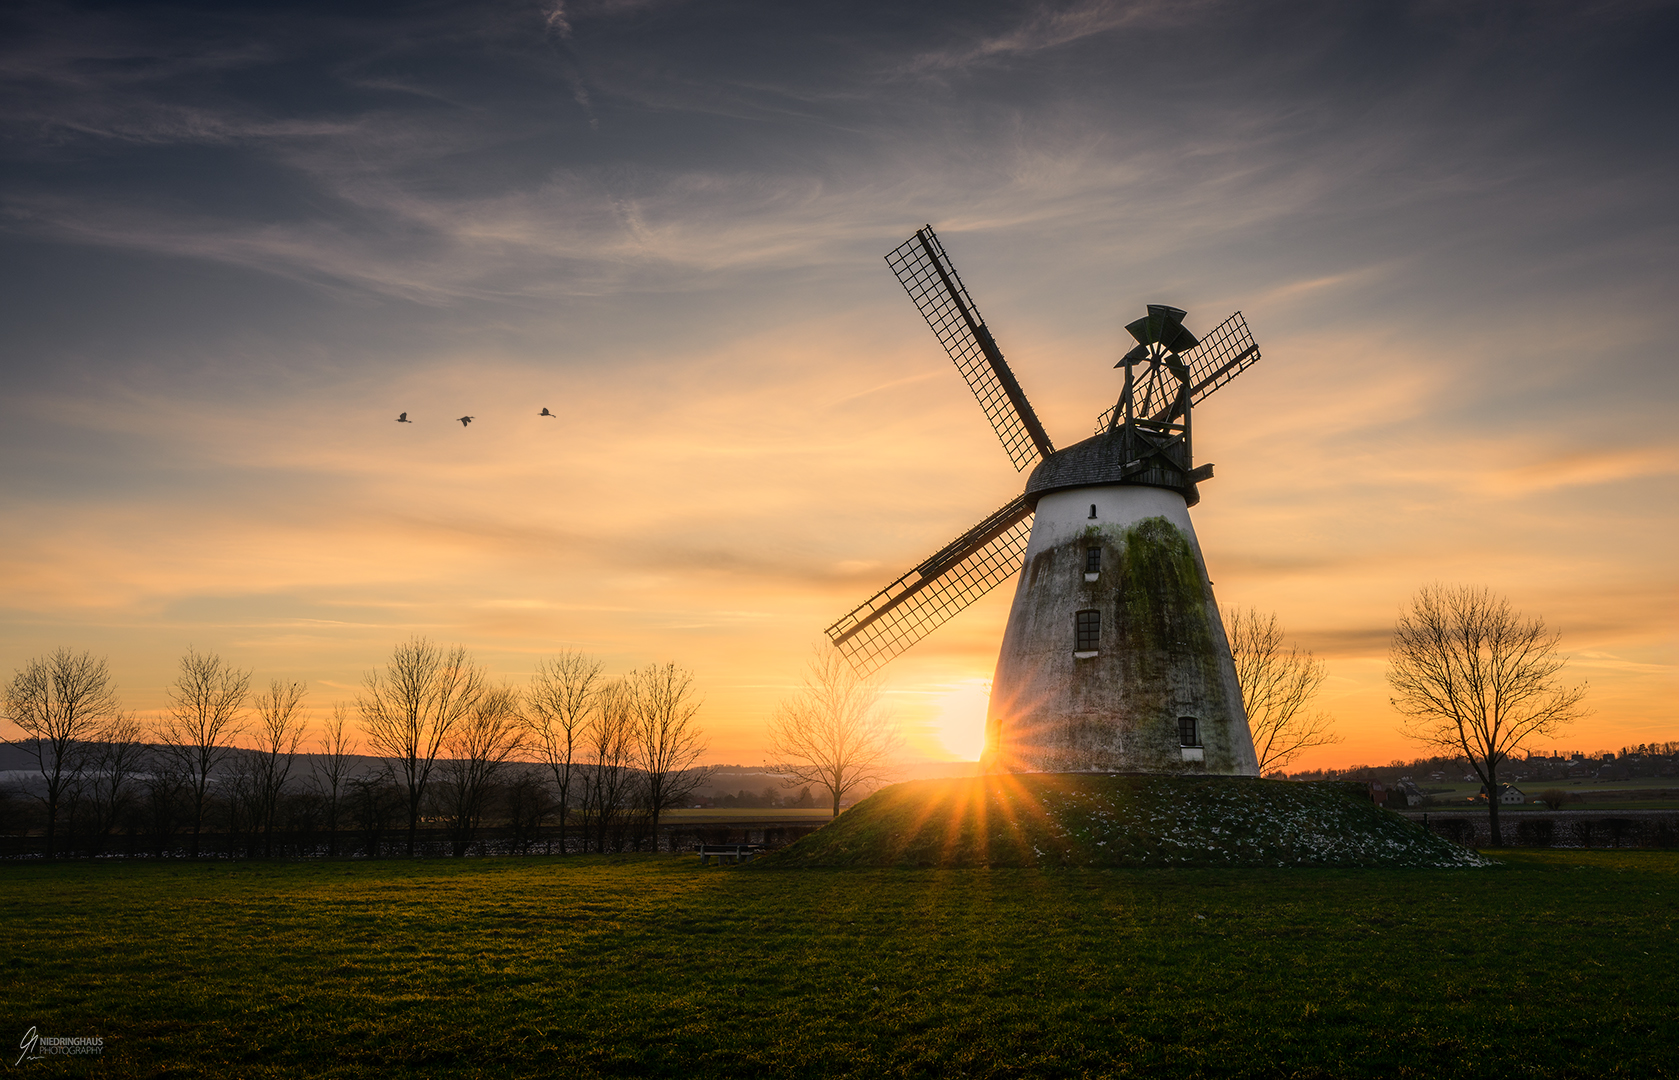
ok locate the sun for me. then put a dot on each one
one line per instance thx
(958, 720)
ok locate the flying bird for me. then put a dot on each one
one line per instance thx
(465, 420)
(403, 419)
(545, 412)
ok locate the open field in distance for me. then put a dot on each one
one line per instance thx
(1555, 964)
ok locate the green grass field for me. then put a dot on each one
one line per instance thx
(1556, 964)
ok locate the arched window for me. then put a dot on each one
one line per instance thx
(1092, 511)
(1087, 633)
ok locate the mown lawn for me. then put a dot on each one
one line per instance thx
(1560, 964)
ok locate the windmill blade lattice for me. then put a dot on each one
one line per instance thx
(1222, 355)
(924, 599)
(927, 275)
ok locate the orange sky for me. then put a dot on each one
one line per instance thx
(722, 519)
(1454, 249)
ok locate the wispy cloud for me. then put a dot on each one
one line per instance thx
(1046, 26)
(1449, 230)
(1587, 467)
(557, 20)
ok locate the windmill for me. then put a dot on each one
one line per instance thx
(1114, 658)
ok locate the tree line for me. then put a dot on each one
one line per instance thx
(1646, 760)
(1470, 676)
(612, 753)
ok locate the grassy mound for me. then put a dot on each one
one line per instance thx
(1079, 819)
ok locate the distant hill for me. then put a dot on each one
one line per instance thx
(728, 779)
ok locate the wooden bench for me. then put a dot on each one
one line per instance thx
(739, 852)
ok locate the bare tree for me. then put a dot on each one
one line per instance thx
(332, 771)
(1277, 683)
(240, 798)
(1471, 674)
(558, 704)
(118, 760)
(204, 715)
(410, 708)
(479, 746)
(834, 732)
(528, 802)
(608, 746)
(60, 702)
(279, 731)
(164, 784)
(375, 799)
(667, 741)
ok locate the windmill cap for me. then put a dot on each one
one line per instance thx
(1163, 326)
(1099, 461)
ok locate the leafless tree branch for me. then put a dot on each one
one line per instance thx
(609, 749)
(558, 703)
(205, 711)
(1472, 675)
(834, 732)
(479, 746)
(332, 770)
(280, 723)
(1278, 682)
(667, 741)
(121, 755)
(60, 702)
(410, 707)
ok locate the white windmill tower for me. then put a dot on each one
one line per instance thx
(1114, 659)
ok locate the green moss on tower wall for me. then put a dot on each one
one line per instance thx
(1161, 602)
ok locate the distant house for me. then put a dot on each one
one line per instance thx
(1511, 796)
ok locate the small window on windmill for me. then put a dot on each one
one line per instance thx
(1189, 739)
(1092, 511)
(1087, 634)
(1092, 563)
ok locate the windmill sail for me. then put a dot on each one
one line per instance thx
(924, 599)
(1222, 355)
(931, 281)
